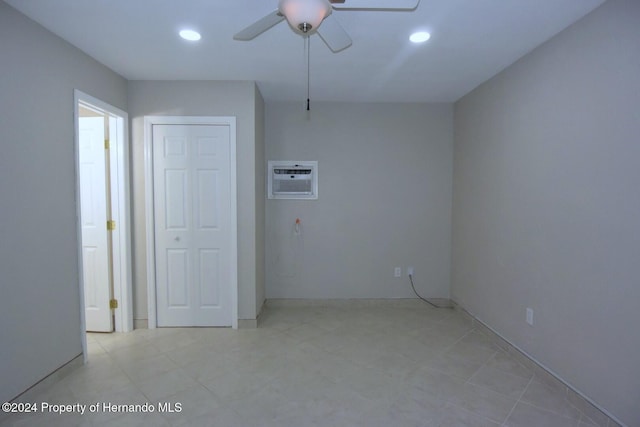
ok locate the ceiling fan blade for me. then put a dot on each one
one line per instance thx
(377, 4)
(259, 27)
(332, 33)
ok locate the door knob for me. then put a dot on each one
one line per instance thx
(177, 239)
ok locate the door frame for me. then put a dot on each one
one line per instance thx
(120, 197)
(149, 122)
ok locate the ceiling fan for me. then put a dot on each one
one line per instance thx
(305, 17)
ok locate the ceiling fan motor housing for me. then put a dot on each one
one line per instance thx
(304, 16)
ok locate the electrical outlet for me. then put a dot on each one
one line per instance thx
(397, 272)
(529, 316)
(409, 271)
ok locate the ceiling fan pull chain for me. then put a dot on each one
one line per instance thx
(308, 44)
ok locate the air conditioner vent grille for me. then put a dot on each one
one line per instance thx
(292, 180)
(293, 187)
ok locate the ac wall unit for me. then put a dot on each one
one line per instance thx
(292, 180)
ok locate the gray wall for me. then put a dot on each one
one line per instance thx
(40, 299)
(547, 207)
(203, 98)
(384, 200)
(260, 165)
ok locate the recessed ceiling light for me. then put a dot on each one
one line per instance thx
(420, 37)
(190, 35)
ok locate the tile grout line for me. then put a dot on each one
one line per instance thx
(134, 383)
(552, 412)
(504, 423)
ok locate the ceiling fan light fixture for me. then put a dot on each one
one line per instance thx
(420, 37)
(304, 15)
(190, 35)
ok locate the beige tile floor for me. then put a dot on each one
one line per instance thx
(395, 364)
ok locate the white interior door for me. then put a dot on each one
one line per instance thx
(192, 208)
(93, 216)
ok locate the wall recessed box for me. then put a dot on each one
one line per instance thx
(292, 180)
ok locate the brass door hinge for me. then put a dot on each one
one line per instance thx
(107, 144)
(111, 225)
(113, 304)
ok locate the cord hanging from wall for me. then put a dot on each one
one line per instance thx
(288, 240)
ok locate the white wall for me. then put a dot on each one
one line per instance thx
(384, 200)
(203, 98)
(547, 207)
(39, 290)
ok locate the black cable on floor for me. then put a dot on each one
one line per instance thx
(418, 295)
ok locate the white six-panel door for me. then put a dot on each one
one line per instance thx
(93, 215)
(192, 205)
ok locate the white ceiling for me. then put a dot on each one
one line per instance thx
(471, 41)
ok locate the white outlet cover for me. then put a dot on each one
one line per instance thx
(530, 316)
(397, 272)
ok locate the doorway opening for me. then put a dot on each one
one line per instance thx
(104, 238)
